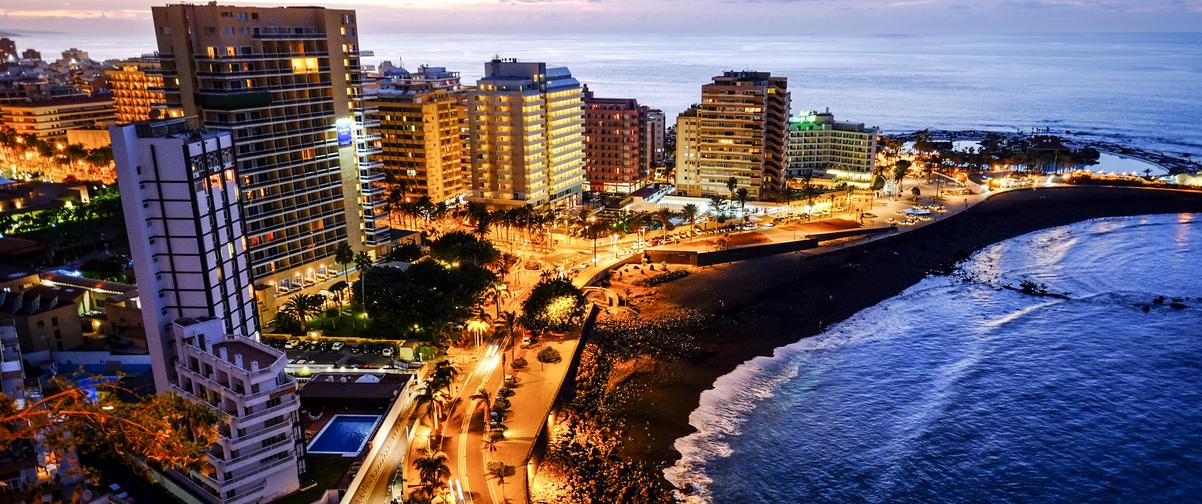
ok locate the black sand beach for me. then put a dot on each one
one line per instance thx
(773, 301)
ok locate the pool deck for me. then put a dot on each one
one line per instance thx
(317, 427)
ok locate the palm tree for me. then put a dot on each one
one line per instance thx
(664, 217)
(742, 195)
(507, 323)
(344, 256)
(497, 470)
(689, 213)
(445, 373)
(302, 307)
(481, 397)
(363, 263)
(717, 206)
(432, 469)
(497, 290)
(900, 168)
(731, 184)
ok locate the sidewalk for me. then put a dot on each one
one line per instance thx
(537, 387)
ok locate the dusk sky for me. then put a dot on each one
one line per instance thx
(725, 16)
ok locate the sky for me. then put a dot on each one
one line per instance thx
(668, 16)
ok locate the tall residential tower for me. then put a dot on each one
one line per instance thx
(526, 128)
(286, 82)
(742, 133)
(182, 203)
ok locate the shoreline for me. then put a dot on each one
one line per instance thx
(769, 302)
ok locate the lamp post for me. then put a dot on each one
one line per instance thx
(592, 229)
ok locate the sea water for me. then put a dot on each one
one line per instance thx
(963, 390)
(1140, 89)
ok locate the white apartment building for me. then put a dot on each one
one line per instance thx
(183, 213)
(181, 199)
(260, 453)
(526, 129)
(819, 145)
(687, 177)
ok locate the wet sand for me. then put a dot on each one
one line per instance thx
(769, 302)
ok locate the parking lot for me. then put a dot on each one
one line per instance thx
(322, 352)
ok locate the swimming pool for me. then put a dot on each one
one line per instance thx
(344, 435)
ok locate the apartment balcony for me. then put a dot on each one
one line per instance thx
(288, 33)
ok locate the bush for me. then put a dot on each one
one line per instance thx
(549, 355)
(555, 304)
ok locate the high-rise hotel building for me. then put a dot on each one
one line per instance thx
(137, 88)
(742, 134)
(526, 128)
(286, 82)
(421, 118)
(615, 150)
(818, 145)
(183, 212)
(687, 177)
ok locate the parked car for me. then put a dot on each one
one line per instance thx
(387, 352)
(291, 344)
(337, 346)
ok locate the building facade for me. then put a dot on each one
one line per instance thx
(616, 157)
(8, 50)
(182, 204)
(687, 176)
(526, 129)
(137, 87)
(46, 318)
(183, 213)
(259, 455)
(654, 124)
(421, 118)
(286, 82)
(742, 133)
(51, 118)
(818, 145)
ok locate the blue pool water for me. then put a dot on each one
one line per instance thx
(345, 434)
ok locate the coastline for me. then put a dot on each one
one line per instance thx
(769, 302)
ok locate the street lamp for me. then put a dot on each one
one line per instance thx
(592, 229)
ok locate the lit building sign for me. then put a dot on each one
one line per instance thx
(344, 132)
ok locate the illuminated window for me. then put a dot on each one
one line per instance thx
(304, 65)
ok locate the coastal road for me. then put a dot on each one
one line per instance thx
(463, 437)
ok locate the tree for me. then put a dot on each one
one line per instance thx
(498, 470)
(664, 217)
(461, 247)
(742, 195)
(408, 252)
(302, 307)
(916, 192)
(432, 470)
(425, 300)
(731, 184)
(689, 213)
(443, 375)
(900, 168)
(481, 397)
(507, 324)
(363, 263)
(549, 355)
(344, 256)
(555, 304)
(166, 430)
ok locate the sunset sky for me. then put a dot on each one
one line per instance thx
(725, 16)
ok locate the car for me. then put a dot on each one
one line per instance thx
(291, 344)
(337, 346)
(354, 349)
(387, 352)
(585, 264)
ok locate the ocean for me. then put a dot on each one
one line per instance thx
(1141, 89)
(961, 390)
